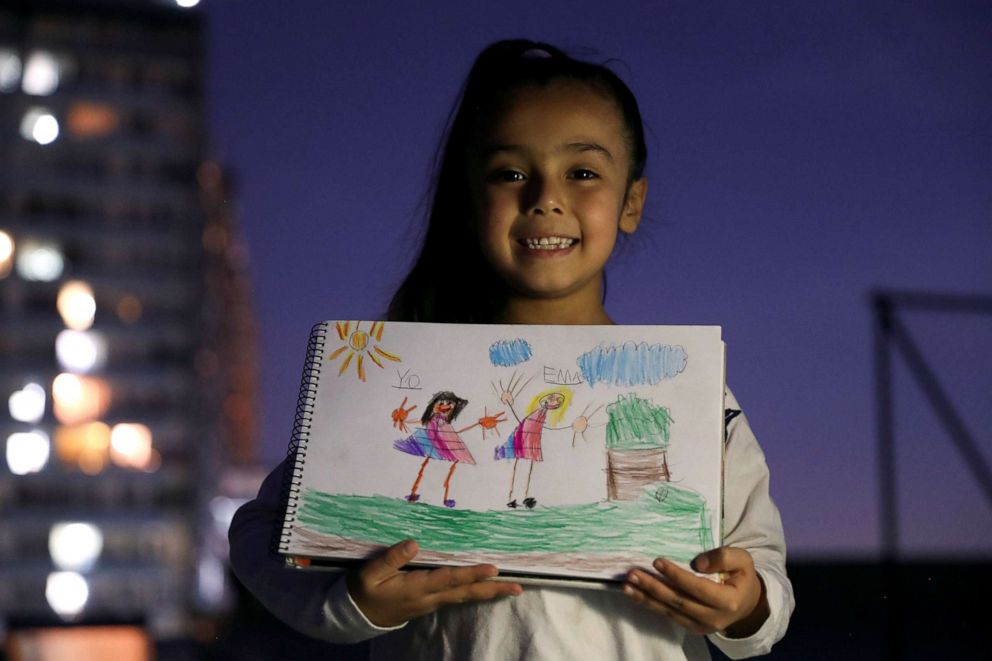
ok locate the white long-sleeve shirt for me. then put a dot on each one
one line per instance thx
(543, 622)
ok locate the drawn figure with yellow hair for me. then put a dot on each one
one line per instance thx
(546, 409)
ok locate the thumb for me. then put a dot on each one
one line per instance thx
(391, 561)
(724, 559)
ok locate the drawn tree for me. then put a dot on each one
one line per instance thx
(637, 436)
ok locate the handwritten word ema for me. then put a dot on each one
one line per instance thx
(560, 377)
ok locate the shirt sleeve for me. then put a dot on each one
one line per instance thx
(314, 602)
(752, 523)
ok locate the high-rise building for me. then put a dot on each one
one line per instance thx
(127, 367)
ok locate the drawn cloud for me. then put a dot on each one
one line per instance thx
(506, 353)
(632, 364)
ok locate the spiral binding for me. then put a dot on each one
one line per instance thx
(297, 452)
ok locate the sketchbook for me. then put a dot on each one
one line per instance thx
(553, 452)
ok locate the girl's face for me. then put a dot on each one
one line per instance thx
(549, 187)
(443, 407)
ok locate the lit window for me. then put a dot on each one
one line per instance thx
(81, 351)
(91, 120)
(40, 261)
(84, 446)
(40, 125)
(67, 593)
(186, 4)
(6, 253)
(41, 74)
(27, 452)
(28, 403)
(77, 305)
(75, 546)
(10, 70)
(79, 398)
(131, 446)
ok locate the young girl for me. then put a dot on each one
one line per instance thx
(542, 167)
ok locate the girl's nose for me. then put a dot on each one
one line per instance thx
(544, 198)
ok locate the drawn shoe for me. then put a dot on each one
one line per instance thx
(512, 504)
(449, 503)
(530, 502)
(413, 497)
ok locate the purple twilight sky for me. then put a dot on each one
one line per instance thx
(800, 155)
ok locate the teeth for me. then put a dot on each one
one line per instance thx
(549, 243)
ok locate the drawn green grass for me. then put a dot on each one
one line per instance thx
(666, 520)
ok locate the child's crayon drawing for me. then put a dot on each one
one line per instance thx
(437, 439)
(546, 409)
(632, 364)
(357, 343)
(506, 353)
(586, 478)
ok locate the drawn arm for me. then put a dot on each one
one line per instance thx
(471, 426)
(508, 393)
(583, 423)
(549, 428)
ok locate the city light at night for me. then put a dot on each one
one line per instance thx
(77, 305)
(28, 403)
(27, 452)
(75, 546)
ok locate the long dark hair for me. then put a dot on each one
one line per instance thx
(451, 281)
(447, 396)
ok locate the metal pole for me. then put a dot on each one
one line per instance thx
(888, 518)
(889, 522)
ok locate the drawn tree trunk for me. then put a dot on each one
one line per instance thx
(637, 437)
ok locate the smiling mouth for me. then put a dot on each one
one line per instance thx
(548, 243)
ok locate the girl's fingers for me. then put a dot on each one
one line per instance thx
(724, 559)
(699, 588)
(478, 591)
(457, 585)
(679, 617)
(390, 562)
(449, 578)
(708, 606)
(670, 598)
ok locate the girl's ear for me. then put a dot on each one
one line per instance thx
(633, 206)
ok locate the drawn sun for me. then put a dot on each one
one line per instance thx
(360, 343)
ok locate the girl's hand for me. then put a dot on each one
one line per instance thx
(737, 606)
(389, 597)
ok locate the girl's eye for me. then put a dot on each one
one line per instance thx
(507, 176)
(583, 174)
